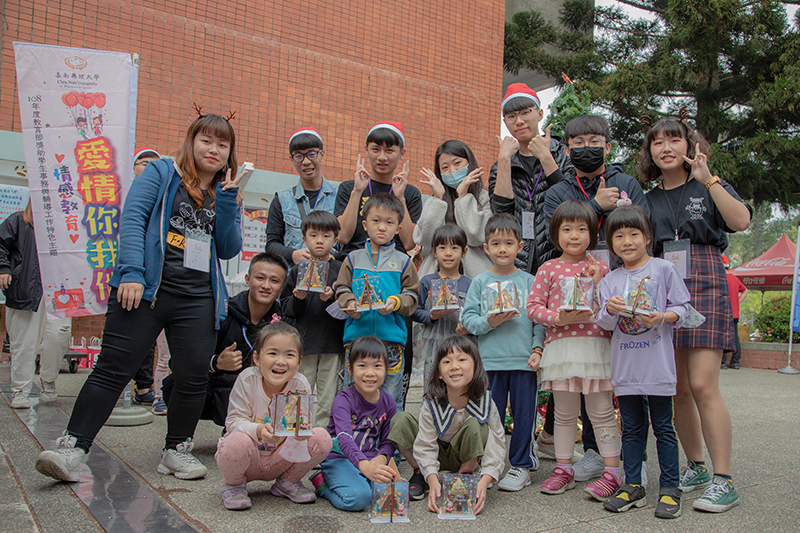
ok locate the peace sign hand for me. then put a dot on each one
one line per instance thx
(436, 186)
(361, 177)
(229, 183)
(592, 270)
(700, 170)
(472, 177)
(400, 180)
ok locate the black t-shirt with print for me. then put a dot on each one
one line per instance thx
(177, 278)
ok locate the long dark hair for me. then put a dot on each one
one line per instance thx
(437, 389)
(669, 127)
(458, 149)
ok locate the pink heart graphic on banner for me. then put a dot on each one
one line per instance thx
(59, 157)
(74, 238)
(63, 298)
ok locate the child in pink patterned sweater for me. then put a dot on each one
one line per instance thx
(577, 357)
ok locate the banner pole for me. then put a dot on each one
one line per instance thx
(788, 368)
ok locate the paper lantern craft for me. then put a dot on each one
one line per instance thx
(389, 502)
(311, 275)
(500, 297)
(577, 293)
(294, 414)
(639, 295)
(444, 294)
(369, 296)
(459, 492)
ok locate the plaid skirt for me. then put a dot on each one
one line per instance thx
(709, 289)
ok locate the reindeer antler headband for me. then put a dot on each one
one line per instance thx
(199, 110)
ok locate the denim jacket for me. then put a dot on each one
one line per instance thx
(289, 199)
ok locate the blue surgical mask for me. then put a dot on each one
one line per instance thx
(454, 179)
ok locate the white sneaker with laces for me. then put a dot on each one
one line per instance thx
(590, 467)
(181, 462)
(48, 393)
(63, 463)
(515, 480)
(20, 400)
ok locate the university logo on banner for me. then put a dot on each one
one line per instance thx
(76, 107)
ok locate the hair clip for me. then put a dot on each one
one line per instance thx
(275, 318)
(231, 116)
(198, 109)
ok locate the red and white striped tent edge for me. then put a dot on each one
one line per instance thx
(771, 271)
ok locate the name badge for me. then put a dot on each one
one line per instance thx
(528, 225)
(197, 250)
(678, 253)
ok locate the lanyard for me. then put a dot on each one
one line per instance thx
(301, 207)
(600, 221)
(370, 187)
(530, 196)
(244, 334)
(676, 212)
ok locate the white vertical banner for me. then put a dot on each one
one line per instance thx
(77, 108)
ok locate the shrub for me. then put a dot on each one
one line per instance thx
(773, 320)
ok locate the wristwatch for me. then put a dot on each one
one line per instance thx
(714, 180)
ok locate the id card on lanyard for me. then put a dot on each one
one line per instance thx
(678, 252)
(529, 217)
(197, 250)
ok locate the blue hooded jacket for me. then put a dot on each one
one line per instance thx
(144, 224)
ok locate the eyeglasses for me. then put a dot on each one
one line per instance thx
(312, 155)
(524, 114)
(578, 144)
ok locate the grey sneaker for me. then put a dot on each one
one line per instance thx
(297, 492)
(590, 467)
(515, 479)
(234, 497)
(181, 462)
(63, 463)
(20, 400)
(48, 393)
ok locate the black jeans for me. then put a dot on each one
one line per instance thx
(634, 412)
(736, 354)
(144, 376)
(587, 433)
(188, 322)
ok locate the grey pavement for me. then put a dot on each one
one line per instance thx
(763, 404)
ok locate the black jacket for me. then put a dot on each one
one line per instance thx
(19, 258)
(536, 251)
(233, 329)
(568, 189)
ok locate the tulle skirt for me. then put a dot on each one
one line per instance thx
(577, 364)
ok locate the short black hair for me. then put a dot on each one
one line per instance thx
(587, 125)
(518, 104)
(570, 211)
(450, 234)
(271, 258)
(304, 141)
(503, 222)
(321, 221)
(368, 347)
(437, 389)
(632, 216)
(385, 137)
(387, 200)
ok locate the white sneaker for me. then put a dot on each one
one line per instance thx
(63, 463)
(20, 400)
(181, 462)
(547, 450)
(515, 480)
(590, 467)
(48, 393)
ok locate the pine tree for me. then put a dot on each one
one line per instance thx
(735, 64)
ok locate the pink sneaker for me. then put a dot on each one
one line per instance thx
(559, 481)
(234, 497)
(603, 488)
(297, 492)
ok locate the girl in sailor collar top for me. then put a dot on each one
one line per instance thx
(458, 425)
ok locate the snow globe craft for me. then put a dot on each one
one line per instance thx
(457, 501)
(311, 275)
(444, 294)
(389, 502)
(500, 297)
(369, 296)
(639, 295)
(294, 414)
(577, 293)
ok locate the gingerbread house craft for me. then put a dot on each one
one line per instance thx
(294, 414)
(311, 275)
(389, 502)
(639, 295)
(459, 492)
(577, 293)
(369, 296)
(500, 297)
(444, 294)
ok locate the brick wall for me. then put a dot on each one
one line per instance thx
(769, 355)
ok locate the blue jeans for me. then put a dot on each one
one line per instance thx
(634, 437)
(394, 376)
(345, 486)
(521, 386)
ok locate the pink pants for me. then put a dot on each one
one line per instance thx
(600, 408)
(240, 461)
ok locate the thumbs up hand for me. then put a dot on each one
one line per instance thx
(606, 197)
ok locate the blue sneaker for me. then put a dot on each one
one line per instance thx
(147, 398)
(160, 407)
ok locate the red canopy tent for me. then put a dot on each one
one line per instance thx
(772, 271)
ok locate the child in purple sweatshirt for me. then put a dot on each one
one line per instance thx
(359, 427)
(642, 355)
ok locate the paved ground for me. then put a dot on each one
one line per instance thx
(127, 494)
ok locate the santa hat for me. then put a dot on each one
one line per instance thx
(396, 127)
(725, 261)
(309, 131)
(520, 90)
(141, 152)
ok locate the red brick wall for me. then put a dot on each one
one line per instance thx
(436, 66)
(768, 355)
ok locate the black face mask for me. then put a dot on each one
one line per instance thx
(588, 159)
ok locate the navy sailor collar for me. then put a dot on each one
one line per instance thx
(443, 414)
